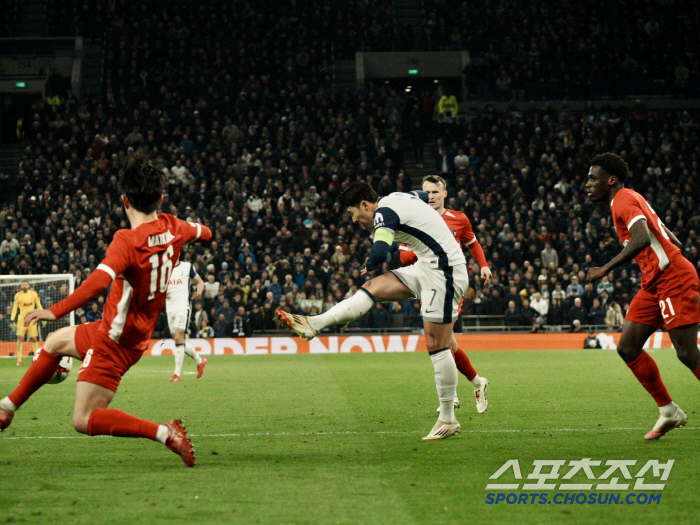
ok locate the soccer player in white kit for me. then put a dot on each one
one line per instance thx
(439, 279)
(177, 307)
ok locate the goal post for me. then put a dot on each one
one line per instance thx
(50, 288)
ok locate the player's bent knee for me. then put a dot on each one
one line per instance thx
(80, 422)
(627, 353)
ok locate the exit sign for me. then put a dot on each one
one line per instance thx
(412, 71)
(21, 85)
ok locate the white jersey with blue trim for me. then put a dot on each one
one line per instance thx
(178, 294)
(415, 223)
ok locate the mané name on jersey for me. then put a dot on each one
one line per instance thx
(417, 224)
(141, 261)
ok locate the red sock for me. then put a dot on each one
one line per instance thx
(463, 364)
(696, 372)
(36, 376)
(647, 373)
(113, 422)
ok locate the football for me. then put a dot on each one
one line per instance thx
(64, 368)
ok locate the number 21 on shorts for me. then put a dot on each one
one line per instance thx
(671, 312)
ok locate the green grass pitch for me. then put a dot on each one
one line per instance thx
(336, 439)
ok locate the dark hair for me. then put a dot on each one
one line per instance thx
(141, 182)
(355, 193)
(613, 164)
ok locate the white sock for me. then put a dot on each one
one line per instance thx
(162, 434)
(344, 312)
(193, 354)
(476, 382)
(179, 358)
(445, 382)
(7, 404)
(668, 410)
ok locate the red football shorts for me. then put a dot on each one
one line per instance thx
(670, 302)
(104, 361)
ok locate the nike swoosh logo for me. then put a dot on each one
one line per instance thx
(430, 311)
(671, 319)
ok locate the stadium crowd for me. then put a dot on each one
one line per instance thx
(537, 49)
(257, 142)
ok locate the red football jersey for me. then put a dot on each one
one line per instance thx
(140, 262)
(628, 207)
(461, 228)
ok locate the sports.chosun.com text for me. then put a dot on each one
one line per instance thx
(594, 498)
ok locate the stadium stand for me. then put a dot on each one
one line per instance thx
(256, 141)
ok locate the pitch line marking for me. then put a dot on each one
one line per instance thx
(383, 432)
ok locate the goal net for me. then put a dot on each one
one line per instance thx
(50, 289)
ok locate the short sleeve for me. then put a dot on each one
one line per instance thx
(422, 195)
(627, 209)
(193, 232)
(387, 218)
(118, 256)
(193, 273)
(466, 233)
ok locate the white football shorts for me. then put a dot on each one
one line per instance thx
(178, 320)
(439, 289)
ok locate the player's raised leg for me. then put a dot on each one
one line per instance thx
(644, 368)
(60, 343)
(384, 288)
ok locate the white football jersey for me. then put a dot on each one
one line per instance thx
(178, 295)
(417, 224)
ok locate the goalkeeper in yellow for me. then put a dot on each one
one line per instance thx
(26, 300)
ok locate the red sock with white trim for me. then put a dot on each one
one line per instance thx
(113, 422)
(39, 372)
(647, 373)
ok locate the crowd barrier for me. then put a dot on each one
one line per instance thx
(345, 344)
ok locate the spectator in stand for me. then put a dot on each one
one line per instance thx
(222, 328)
(577, 313)
(254, 321)
(574, 286)
(414, 316)
(549, 256)
(206, 330)
(597, 314)
(380, 318)
(512, 316)
(605, 285)
(614, 316)
(541, 307)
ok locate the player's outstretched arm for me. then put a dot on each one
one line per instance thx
(93, 286)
